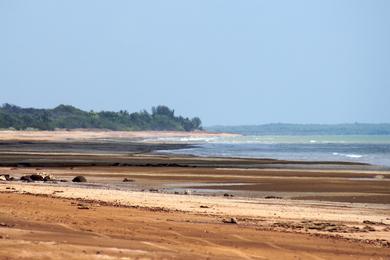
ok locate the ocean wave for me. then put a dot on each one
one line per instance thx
(269, 140)
(181, 139)
(348, 155)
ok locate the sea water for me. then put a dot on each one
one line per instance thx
(372, 149)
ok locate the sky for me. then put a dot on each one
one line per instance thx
(228, 62)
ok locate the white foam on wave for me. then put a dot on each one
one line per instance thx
(179, 139)
(348, 155)
(354, 155)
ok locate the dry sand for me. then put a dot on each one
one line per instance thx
(49, 228)
(82, 135)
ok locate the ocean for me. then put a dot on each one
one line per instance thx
(372, 149)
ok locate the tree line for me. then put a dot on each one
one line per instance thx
(161, 118)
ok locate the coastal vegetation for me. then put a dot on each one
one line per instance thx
(69, 117)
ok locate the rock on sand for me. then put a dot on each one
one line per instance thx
(79, 179)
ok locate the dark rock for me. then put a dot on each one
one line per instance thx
(47, 178)
(79, 179)
(83, 207)
(204, 206)
(368, 228)
(153, 190)
(2, 224)
(127, 180)
(228, 195)
(369, 222)
(230, 221)
(36, 177)
(272, 197)
(26, 178)
(233, 221)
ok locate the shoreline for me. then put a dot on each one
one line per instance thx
(90, 142)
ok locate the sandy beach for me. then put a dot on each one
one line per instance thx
(90, 134)
(252, 130)
(174, 206)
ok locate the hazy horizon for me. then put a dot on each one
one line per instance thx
(222, 125)
(228, 62)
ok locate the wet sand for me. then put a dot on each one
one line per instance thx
(324, 185)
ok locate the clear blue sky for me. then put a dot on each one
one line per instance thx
(228, 62)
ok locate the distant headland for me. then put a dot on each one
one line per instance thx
(306, 129)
